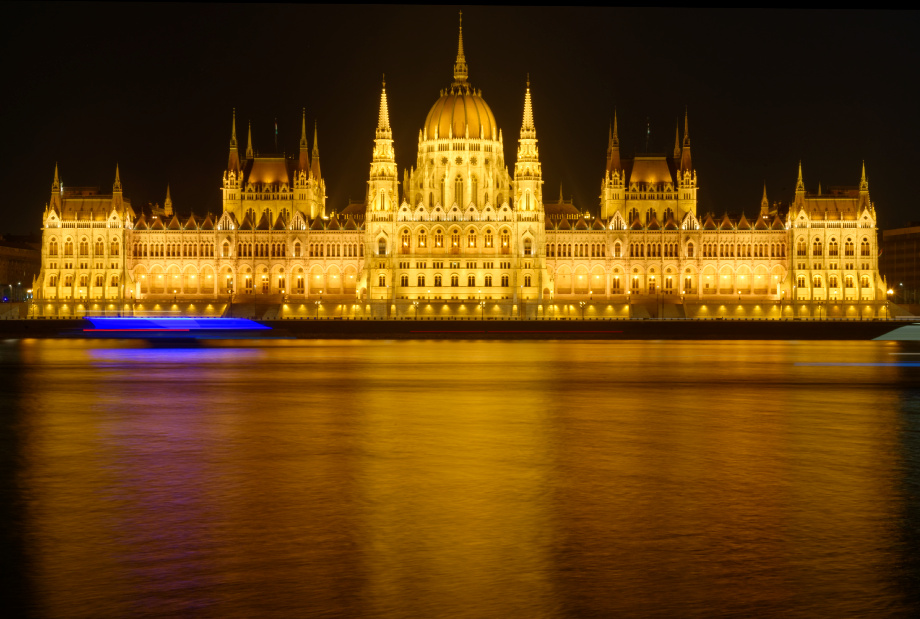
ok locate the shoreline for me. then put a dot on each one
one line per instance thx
(648, 329)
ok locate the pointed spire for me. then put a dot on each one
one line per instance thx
(613, 146)
(686, 163)
(303, 129)
(315, 166)
(616, 137)
(528, 111)
(677, 140)
(249, 143)
(561, 200)
(117, 186)
(303, 161)
(461, 71)
(383, 122)
(167, 204)
(233, 163)
(56, 184)
(863, 181)
(764, 203)
(800, 184)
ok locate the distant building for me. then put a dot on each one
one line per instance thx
(464, 235)
(900, 262)
(20, 263)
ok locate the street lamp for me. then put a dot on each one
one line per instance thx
(888, 303)
(415, 305)
(582, 304)
(628, 304)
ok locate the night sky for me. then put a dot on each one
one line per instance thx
(151, 86)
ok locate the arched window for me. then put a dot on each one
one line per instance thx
(458, 191)
(471, 238)
(817, 281)
(53, 247)
(422, 238)
(528, 247)
(505, 240)
(382, 247)
(403, 280)
(225, 250)
(454, 280)
(488, 281)
(800, 249)
(455, 238)
(68, 247)
(849, 249)
(488, 238)
(474, 195)
(99, 250)
(816, 248)
(471, 280)
(84, 247)
(864, 248)
(864, 280)
(421, 281)
(404, 244)
(527, 204)
(439, 238)
(297, 250)
(616, 250)
(382, 280)
(689, 250)
(832, 251)
(437, 280)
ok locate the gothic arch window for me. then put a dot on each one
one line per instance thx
(472, 238)
(382, 247)
(616, 249)
(421, 281)
(816, 248)
(849, 248)
(488, 238)
(439, 238)
(832, 250)
(422, 238)
(505, 240)
(471, 280)
(458, 190)
(528, 247)
(475, 191)
(404, 244)
(454, 280)
(455, 238)
(864, 248)
(53, 247)
(84, 247)
(689, 250)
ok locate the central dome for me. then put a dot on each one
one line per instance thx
(458, 109)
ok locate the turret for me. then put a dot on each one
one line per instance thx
(234, 161)
(167, 204)
(382, 187)
(528, 176)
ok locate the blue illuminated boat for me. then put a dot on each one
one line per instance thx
(174, 328)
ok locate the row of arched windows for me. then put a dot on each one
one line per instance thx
(83, 247)
(336, 250)
(744, 250)
(472, 239)
(833, 249)
(161, 250)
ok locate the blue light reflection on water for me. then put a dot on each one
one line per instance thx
(467, 478)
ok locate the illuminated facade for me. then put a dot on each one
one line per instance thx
(464, 237)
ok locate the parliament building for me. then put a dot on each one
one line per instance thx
(465, 236)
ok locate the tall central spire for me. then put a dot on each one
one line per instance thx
(383, 123)
(461, 71)
(527, 125)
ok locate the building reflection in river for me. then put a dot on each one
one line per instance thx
(464, 478)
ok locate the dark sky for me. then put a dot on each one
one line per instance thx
(152, 86)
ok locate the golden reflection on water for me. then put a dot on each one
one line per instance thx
(475, 479)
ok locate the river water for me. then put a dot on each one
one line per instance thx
(460, 479)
